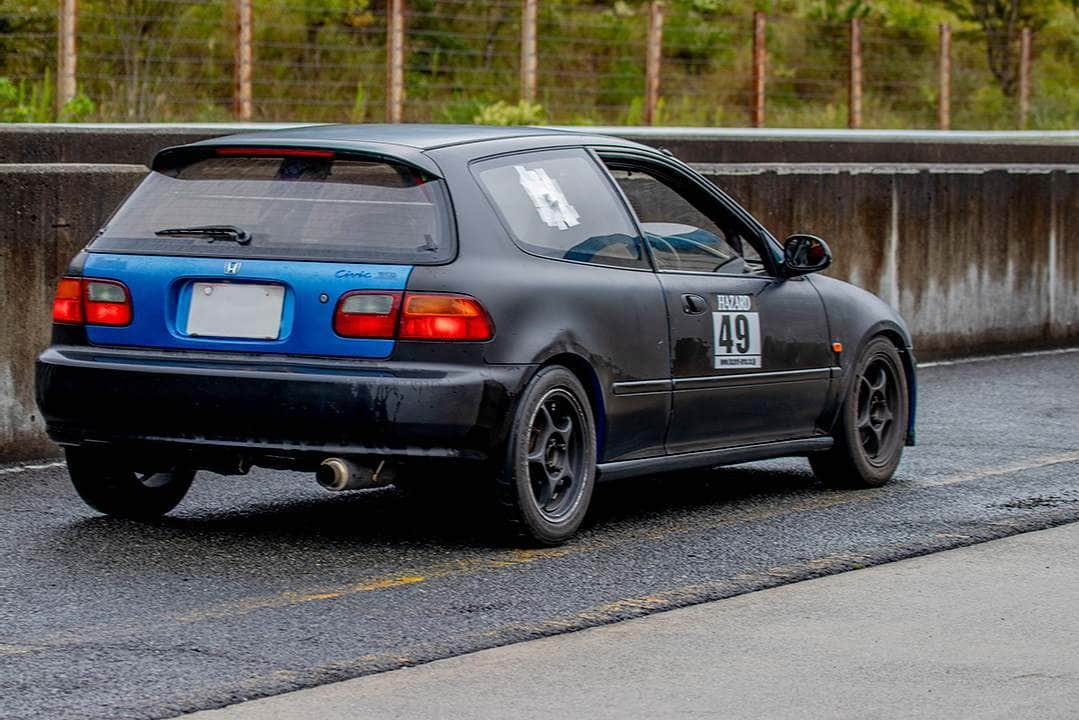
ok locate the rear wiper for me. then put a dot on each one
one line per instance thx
(214, 232)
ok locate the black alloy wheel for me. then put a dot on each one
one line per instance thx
(545, 486)
(878, 404)
(872, 425)
(555, 464)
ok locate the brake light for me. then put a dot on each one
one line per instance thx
(67, 306)
(277, 152)
(92, 302)
(411, 316)
(364, 314)
(444, 317)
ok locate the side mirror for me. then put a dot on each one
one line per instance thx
(803, 254)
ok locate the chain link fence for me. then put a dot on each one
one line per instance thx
(326, 60)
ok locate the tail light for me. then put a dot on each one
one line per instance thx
(444, 317)
(411, 316)
(364, 314)
(67, 307)
(92, 302)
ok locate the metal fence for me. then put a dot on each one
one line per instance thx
(675, 63)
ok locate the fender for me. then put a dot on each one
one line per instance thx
(855, 317)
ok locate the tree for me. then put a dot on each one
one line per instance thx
(1002, 21)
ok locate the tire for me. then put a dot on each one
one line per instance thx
(107, 485)
(872, 425)
(545, 485)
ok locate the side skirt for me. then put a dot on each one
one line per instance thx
(711, 458)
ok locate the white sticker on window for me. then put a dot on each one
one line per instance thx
(737, 333)
(547, 196)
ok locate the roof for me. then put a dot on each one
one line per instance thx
(402, 142)
(420, 137)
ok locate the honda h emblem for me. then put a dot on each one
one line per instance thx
(232, 267)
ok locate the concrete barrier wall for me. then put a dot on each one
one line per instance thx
(48, 214)
(81, 143)
(977, 258)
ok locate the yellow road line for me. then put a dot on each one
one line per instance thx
(290, 598)
(9, 649)
(517, 558)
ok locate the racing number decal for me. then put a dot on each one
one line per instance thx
(737, 333)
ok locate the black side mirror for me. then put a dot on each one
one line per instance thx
(804, 254)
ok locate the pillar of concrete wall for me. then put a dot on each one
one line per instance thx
(1064, 279)
(50, 211)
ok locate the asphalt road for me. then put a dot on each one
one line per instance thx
(264, 584)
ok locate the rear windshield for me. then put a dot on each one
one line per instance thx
(286, 206)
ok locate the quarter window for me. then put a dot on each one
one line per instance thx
(559, 204)
(681, 236)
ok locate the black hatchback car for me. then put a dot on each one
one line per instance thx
(393, 304)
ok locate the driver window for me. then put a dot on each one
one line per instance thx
(681, 237)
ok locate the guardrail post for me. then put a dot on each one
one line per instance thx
(395, 60)
(653, 61)
(529, 62)
(67, 58)
(760, 59)
(1024, 78)
(944, 98)
(854, 99)
(242, 95)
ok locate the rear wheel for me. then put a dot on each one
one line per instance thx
(109, 485)
(872, 425)
(546, 483)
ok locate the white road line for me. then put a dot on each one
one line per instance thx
(1006, 356)
(1009, 469)
(28, 468)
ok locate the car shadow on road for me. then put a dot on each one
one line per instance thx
(387, 526)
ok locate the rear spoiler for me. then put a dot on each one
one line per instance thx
(182, 154)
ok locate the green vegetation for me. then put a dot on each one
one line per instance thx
(34, 102)
(502, 113)
(324, 60)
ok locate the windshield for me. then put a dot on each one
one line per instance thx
(303, 206)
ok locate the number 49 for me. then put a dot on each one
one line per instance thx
(738, 340)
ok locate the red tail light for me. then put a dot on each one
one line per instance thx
(279, 152)
(91, 301)
(107, 303)
(444, 317)
(411, 316)
(67, 307)
(365, 314)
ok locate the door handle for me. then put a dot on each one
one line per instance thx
(694, 304)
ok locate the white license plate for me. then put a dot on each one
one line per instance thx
(235, 310)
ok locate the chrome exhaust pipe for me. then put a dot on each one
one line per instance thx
(339, 474)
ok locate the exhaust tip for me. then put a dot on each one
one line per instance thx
(341, 474)
(333, 474)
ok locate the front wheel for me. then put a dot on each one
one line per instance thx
(872, 424)
(109, 485)
(545, 485)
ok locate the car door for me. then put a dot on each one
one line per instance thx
(751, 355)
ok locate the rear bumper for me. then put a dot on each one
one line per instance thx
(274, 405)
